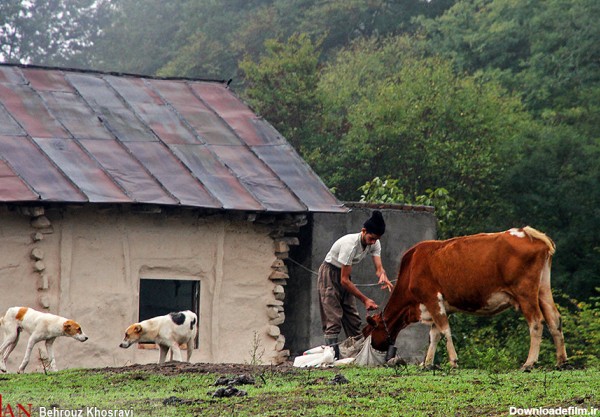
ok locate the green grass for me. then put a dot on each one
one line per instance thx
(306, 392)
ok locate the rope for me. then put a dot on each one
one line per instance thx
(316, 274)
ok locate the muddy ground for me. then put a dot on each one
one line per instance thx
(177, 368)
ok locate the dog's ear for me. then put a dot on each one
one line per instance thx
(371, 321)
(138, 328)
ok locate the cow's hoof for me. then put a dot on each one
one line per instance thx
(564, 366)
(527, 368)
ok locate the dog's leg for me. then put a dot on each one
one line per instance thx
(176, 351)
(50, 352)
(163, 353)
(7, 347)
(190, 347)
(33, 339)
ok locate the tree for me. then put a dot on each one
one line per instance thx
(49, 32)
(548, 51)
(138, 37)
(209, 38)
(396, 113)
(387, 191)
(282, 87)
(554, 186)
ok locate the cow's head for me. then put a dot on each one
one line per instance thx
(380, 338)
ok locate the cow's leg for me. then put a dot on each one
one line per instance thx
(440, 320)
(533, 316)
(553, 321)
(434, 338)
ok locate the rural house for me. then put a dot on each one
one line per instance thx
(124, 197)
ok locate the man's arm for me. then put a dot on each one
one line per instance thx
(380, 272)
(349, 286)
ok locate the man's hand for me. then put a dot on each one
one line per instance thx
(385, 282)
(370, 305)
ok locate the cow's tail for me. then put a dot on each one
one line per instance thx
(536, 234)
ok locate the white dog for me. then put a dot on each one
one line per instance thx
(41, 326)
(168, 332)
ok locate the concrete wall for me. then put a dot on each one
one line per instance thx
(404, 227)
(87, 266)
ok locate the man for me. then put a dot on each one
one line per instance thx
(337, 293)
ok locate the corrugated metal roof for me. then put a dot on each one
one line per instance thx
(81, 136)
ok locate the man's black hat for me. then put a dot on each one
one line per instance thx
(375, 224)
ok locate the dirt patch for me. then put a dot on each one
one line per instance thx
(177, 368)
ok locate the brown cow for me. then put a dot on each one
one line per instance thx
(482, 274)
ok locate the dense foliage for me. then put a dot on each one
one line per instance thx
(497, 102)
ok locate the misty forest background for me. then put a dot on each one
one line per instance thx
(487, 109)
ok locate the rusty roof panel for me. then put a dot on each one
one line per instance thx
(42, 80)
(298, 176)
(172, 174)
(11, 75)
(209, 127)
(36, 169)
(119, 119)
(12, 187)
(127, 172)
(257, 178)
(216, 177)
(74, 114)
(27, 108)
(234, 112)
(82, 136)
(8, 126)
(153, 111)
(82, 170)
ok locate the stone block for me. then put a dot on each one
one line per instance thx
(43, 282)
(45, 301)
(274, 331)
(281, 246)
(279, 320)
(39, 266)
(280, 344)
(37, 254)
(40, 222)
(273, 313)
(278, 275)
(37, 236)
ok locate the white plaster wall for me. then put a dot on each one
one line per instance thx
(94, 260)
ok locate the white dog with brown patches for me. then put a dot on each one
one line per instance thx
(40, 326)
(168, 332)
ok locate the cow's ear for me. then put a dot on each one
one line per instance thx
(371, 321)
(138, 328)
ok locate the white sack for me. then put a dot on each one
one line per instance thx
(325, 358)
(369, 356)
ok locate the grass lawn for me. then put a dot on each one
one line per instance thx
(286, 391)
